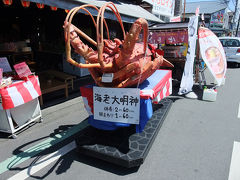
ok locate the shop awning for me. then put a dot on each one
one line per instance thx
(129, 12)
(171, 25)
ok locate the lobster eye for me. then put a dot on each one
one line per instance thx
(120, 46)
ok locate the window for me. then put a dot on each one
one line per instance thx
(230, 42)
(223, 41)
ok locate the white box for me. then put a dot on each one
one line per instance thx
(209, 95)
(15, 119)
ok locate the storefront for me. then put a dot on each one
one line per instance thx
(39, 26)
(32, 31)
(172, 38)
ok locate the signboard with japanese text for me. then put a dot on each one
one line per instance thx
(116, 104)
(22, 69)
(172, 37)
(156, 37)
(4, 64)
(212, 53)
(217, 18)
(183, 36)
(163, 7)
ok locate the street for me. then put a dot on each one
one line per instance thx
(196, 142)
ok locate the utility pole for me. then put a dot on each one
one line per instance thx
(184, 7)
(237, 26)
(235, 16)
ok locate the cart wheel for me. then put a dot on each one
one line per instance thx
(14, 136)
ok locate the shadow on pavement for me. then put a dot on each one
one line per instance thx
(196, 89)
(103, 165)
(52, 143)
(60, 137)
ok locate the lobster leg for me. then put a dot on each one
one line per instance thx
(133, 68)
(148, 70)
(131, 39)
(166, 63)
(130, 69)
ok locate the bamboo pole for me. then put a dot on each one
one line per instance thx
(184, 9)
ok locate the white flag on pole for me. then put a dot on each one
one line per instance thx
(187, 77)
(213, 54)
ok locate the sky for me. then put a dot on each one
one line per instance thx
(231, 4)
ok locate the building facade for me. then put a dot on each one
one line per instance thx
(217, 16)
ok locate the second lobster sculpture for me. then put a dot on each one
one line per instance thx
(128, 61)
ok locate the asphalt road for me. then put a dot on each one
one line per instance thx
(195, 142)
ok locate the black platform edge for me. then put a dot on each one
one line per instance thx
(124, 146)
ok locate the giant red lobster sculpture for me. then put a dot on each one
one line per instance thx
(129, 62)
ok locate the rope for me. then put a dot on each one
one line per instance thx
(144, 62)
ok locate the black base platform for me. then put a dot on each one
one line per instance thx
(124, 146)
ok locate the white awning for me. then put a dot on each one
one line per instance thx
(129, 12)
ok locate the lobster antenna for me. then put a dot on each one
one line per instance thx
(100, 36)
(82, 34)
(68, 20)
(105, 23)
(115, 11)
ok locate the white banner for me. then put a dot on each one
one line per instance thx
(212, 53)
(187, 77)
(116, 104)
(162, 7)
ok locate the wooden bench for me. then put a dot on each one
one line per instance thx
(67, 78)
(51, 86)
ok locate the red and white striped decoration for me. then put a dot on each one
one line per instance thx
(25, 3)
(40, 6)
(7, 2)
(87, 96)
(161, 89)
(165, 92)
(21, 92)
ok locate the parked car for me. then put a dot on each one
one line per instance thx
(231, 47)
